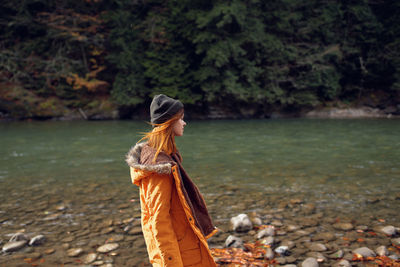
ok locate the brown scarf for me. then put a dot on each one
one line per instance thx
(194, 199)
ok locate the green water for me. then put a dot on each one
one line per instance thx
(336, 163)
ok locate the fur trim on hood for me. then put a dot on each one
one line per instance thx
(134, 158)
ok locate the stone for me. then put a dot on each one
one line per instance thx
(282, 250)
(256, 221)
(295, 201)
(317, 247)
(362, 228)
(49, 251)
(289, 243)
(68, 239)
(342, 263)
(292, 228)
(115, 238)
(89, 258)
(74, 252)
(269, 254)
(233, 242)
(277, 223)
(364, 252)
(290, 259)
(343, 226)
(33, 256)
(316, 255)
(382, 251)
(388, 230)
(14, 245)
(280, 260)
(301, 233)
(269, 231)
(107, 247)
(135, 231)
(326, 236)
(309, 262)
(37, 240)
(337, 255)
(106, 230)
(241, 223)
(52, 217)
(18, 237)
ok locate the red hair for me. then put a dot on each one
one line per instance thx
(162, 137)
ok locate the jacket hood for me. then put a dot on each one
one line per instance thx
(140, 158)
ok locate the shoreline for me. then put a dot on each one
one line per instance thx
(363, 112)
(97, 226)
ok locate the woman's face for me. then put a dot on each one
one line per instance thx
(177, 127)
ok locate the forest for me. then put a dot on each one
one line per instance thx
(106, 59)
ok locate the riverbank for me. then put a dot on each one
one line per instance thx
(98, 225)
(17, 103)
(216, 114)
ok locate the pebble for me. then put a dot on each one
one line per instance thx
(49, 251)
(115, 238)
(19, 237)
(107, 230)
(382, 251)
(310, 262)
(317, 255)
(317, 247)
(282, 250)
(364, 252)
(290, 244)
(290, 259)
(337, 255)
(362, 228)
(342, 263)
(280, 260)
(256, 221)
(135, 231)
(269, 254)
(14, 245)
(292, 228)
(241, 223)
(37, 240)
(33, 256)
(343, 226)
(269, 231)
(68, 239)
(277, 223)
(89, 258)
(388, 230)
(326, 236)
(107, 247)
(74, 252)
(233, 242)
(51, 217)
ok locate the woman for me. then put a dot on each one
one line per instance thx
(175, 220)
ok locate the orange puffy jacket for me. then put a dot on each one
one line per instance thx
(171, 235)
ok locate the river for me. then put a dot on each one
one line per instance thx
(344, 167)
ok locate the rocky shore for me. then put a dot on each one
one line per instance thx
(95, 224)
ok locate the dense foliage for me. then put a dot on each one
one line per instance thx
(231, 54)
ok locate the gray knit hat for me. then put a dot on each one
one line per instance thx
(163, 108)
